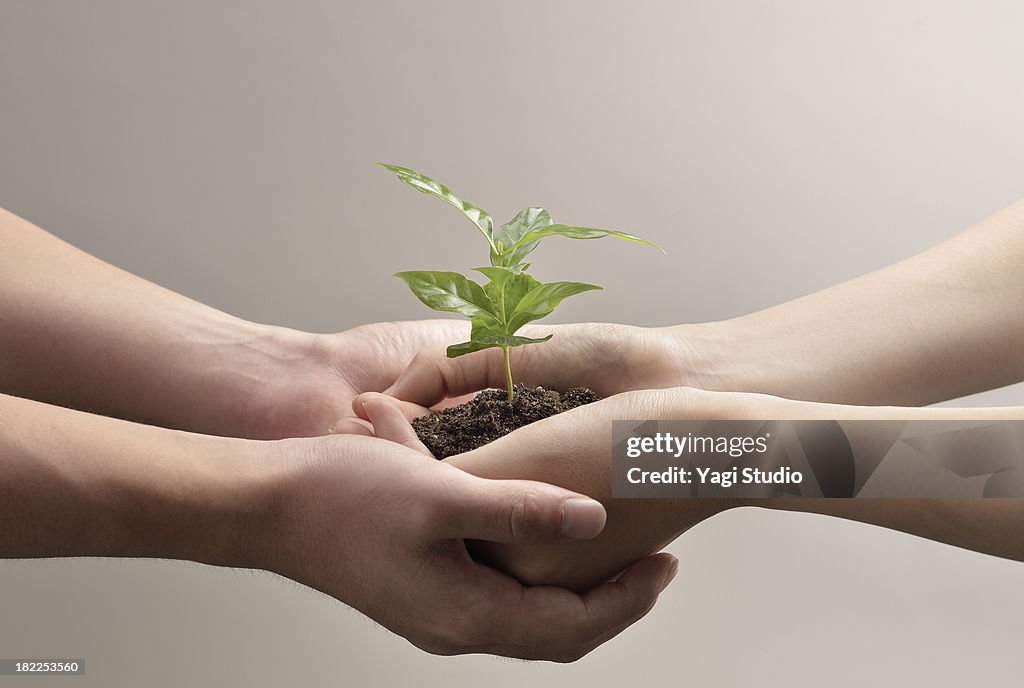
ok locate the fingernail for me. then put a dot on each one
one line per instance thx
(582, 518)
(669, 575)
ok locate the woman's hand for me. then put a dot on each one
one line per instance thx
(573, 450)
(607, 358)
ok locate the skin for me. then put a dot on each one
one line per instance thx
(942, 324)
(371, 523)
(81, 333)
(567, 450)
(937, 326)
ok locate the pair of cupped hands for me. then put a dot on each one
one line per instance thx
(513, 549)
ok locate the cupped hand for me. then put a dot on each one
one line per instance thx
(607, 358)
(317, 376)
(573, 450)
(382, 528)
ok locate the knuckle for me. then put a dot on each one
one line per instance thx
(527, 517)
(517, 516)
(422, 357)
(424, 362)
(440, 370)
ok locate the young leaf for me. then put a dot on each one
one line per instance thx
(422, 182)
(506, 289)
(511, 298)
(469, 347)
(543, 299)
(514, 256)
(450, 292)
(509, 234)
(518, 252)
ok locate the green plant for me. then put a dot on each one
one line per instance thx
(511, 298)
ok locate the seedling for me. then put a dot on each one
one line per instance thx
(511, 298)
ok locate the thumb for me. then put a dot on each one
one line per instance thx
(432, 377)
(517, 511)
(388, 420)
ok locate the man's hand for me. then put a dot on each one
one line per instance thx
(383, 528)
(81, 333)
(376, 525)
(314, 378)
(573, 450)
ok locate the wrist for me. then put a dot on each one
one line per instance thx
(201, 499)
(718, 356)
(211, 500)
(259, 381)
(220, 508)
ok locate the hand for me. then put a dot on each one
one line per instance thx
(608, 358)
(573, 450)
(382, 528)
(315, 377)
(376, 525)
(319, 375)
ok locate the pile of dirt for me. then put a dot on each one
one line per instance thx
(490, 416)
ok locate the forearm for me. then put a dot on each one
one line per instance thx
(568, 454)
(942, 324)
(76, 484)
(990, 526)
(79, 332)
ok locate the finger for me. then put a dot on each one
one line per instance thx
(389, 423)
(554, 624)
(619, 604)
(353, 426)
(433, 377)
(515, 511)
(408, 410)
(605, 611)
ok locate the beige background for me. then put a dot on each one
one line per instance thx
(774, 148)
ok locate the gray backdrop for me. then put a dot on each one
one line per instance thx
(223, 149)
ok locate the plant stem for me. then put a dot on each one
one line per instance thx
(508, 375)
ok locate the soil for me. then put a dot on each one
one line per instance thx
(490, 415)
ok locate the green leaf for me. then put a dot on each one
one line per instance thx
(506, 289)
(515, 256)
(543, 299)
(509, 234)
(450, 292)
(529, 241)
(463, 348)
(487, 334)
(422, 182)
(469, 347)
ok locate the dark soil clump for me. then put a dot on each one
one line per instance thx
(490, 416)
